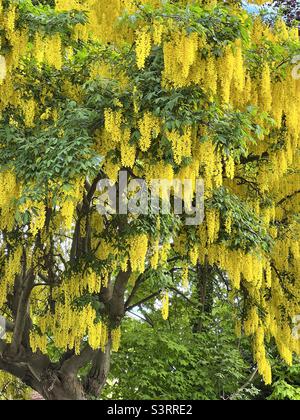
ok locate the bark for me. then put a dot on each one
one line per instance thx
(116, 305)
(98, 374)
(58, 381)
(204, 294)
(22, 313)
(62, 387)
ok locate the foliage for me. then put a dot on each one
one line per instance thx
(286, 384)
(12, 388)
(169, 361)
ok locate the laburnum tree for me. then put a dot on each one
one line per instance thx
(160, 90)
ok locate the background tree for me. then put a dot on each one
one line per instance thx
(290, 10)
(173, 360)
(160, 90)
(177, 361)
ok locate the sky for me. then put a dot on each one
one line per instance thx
(252, 8)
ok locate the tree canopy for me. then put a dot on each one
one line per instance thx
(159, 90)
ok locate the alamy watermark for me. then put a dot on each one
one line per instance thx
(296, 68)
(2, 328)
(296, 327)
(160, 196)
(2, 68)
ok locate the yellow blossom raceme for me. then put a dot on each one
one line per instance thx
(69, 327)
(105, 278)
(91, 282)
(113, 121)
(181, 144)
(29, 111)
(185, 277)
(9, 191)
(260, 354)
(239, 69)
(38, 218)
(225, 72)
(12, 267)
(165, 306)
(266, 91)
(186, 52)
(159, 171)
(112, 170)
(164, 252)
(116, 339)
(158, 30)
(138, 247)
(213, 224)
(210, 77)
(228, 223)
(104, 249)
(53, 51)
(8, 188)
(149, 128)
(180, 244)
(68, 205)
(10, 19)
(38, 342)
(277, 103)
(252, 322)
(124, 264)
(128, 151)
(94, 335)
(180, 54)
(39, 48)
(143, 46)
(230, 167)
(194, 254)
(67, 211)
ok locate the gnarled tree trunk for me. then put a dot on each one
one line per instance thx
(63, 387)
(61, 381)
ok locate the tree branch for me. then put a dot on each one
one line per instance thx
(142, 319)
(74, 363)
(129, 308)
(182, 295)
(116, 306)
(21, 317)
(98, 374)
(288, 197)
(142, 278)
(249, 382)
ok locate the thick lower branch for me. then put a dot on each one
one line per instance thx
(22, 313)
(116, 306)
(98, 374)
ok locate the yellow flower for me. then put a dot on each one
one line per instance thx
(116, 339)
(138, 247)
(143, 47)
(165, 306)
